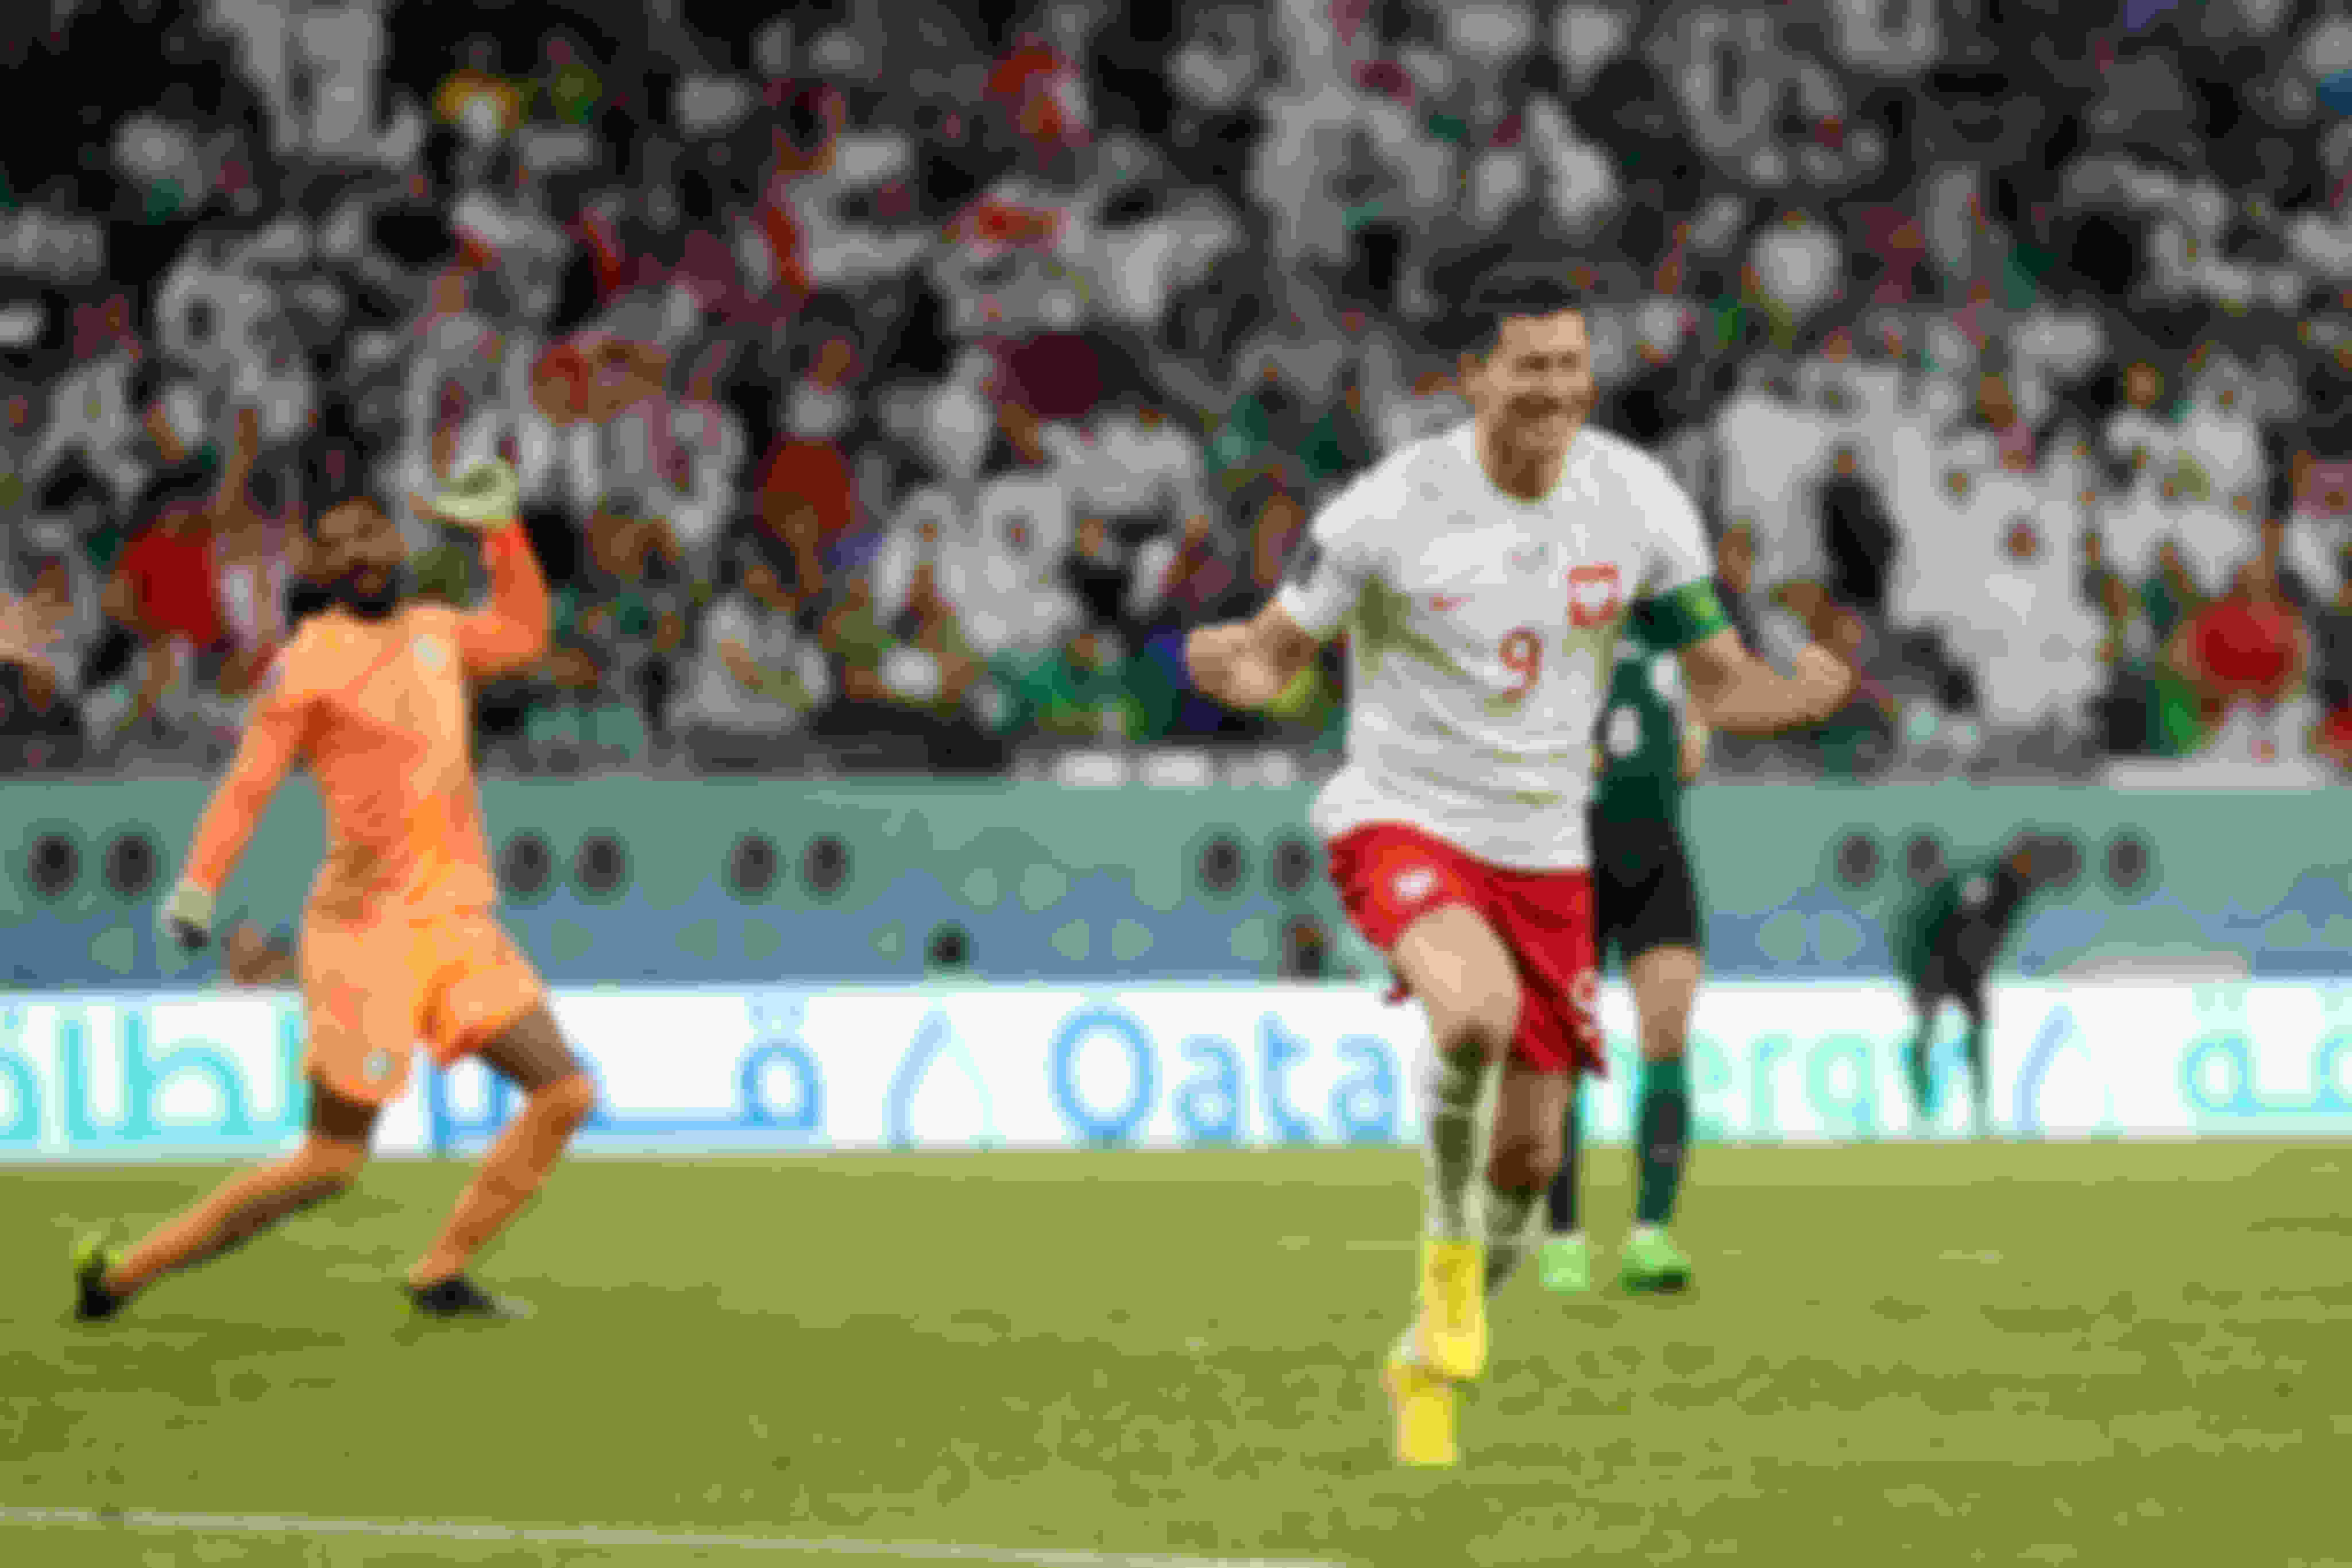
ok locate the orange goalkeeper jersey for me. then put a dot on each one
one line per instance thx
(380, 712)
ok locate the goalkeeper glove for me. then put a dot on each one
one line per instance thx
(188, 918)
(487, 497)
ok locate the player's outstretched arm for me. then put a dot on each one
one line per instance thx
(510, 632)
(1733, 690)
(273, 742)
(1249, 664)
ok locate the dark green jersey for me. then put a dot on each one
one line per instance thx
(1641, 730)
(1961, 921)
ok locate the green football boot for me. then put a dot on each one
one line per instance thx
(93, 1255)
(1652, 1262)
(1565, 1265)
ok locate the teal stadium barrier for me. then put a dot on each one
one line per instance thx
(735, 882)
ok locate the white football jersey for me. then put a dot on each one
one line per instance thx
(1482, 635)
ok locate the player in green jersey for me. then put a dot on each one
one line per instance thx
(1945, 942)
(1645, 903)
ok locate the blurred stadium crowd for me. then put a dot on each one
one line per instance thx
(893, 382)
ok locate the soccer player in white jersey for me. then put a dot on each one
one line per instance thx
(1481, 576)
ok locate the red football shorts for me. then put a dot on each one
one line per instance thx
(1389, 876)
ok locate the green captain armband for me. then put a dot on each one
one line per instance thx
(1678, 617)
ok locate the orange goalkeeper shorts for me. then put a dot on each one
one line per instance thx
(373, 991)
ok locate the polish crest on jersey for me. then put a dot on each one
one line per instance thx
(1596, 596)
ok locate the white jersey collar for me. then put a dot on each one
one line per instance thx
(1464, 439)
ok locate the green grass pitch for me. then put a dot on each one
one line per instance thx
(2089, 1355)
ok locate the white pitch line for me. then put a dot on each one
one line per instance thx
(590, 1535)
(1401, 1244)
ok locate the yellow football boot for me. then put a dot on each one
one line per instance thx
(1453, 1324)
(1424, 1403)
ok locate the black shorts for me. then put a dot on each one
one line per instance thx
(1947, 978)
(1643, 895)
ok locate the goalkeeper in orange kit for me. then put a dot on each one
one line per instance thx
(398, 944)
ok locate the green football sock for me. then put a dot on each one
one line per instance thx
(1980, 1075)
(1663, 1134)
(1919, 1069)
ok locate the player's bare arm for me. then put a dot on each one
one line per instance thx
(1695, 739)
(1731, 688)
(1249, 664)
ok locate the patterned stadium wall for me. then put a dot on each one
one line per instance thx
(737, 881)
